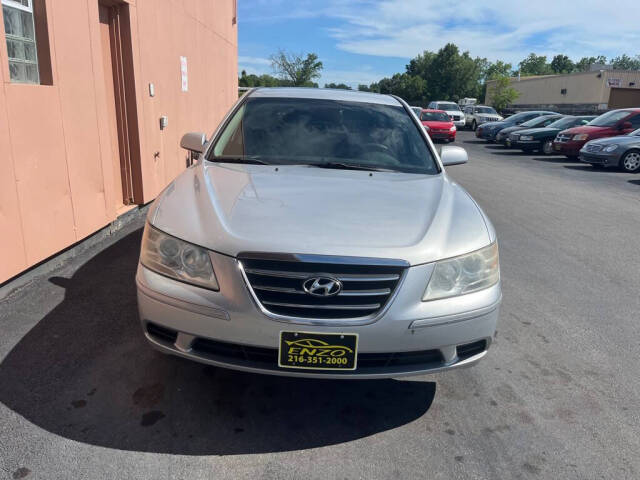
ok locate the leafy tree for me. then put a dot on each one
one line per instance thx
(411, 88)
(584, 63)
(252, 80)
(499, 68)
(341, 86)
(562, 64)
(625, 62)
(364, 88)
(535, 65)
(501, 92)
(296, 68)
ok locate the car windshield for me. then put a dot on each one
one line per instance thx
(322, 132)
(448, 106)
(486, 110)
(608, 119)
(537, 122)
(434, 117)
(565, 122)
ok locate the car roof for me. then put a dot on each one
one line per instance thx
(324, 94)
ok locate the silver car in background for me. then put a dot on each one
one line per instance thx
(620, 152)
(318, 235)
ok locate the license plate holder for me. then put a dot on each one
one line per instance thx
(318, 351)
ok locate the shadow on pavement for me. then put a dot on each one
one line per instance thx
(476, 142)
(85, 372)
(635, 182)
(552, 159)
(589, 168)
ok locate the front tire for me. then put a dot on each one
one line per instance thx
(547, 147)
(630, 162)
(474, 125)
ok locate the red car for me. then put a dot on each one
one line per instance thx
(610, 124)
(439, 123)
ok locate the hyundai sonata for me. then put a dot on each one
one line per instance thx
(319, 235)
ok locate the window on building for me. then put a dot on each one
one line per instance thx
(20, 33)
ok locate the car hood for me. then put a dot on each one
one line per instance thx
(438, 125)
(620, 140)
(589, 129)
(232, 208)
(540, 132)
(453, 112)
(513, 128)
(501, 124)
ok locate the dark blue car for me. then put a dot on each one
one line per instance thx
(489, 130)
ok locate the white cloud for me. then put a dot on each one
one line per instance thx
(496, 29)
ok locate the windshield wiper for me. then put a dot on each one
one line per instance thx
(349, 166)
(239, 159)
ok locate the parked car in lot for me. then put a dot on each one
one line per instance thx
(489, 130)
(475, 115)
(614, 123)
(417, 110)
(503, 135)
(452, 109)
(319, 236)
(439, 125)
(541, 139)
(622, 152)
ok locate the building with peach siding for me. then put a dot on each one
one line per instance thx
(94, 98)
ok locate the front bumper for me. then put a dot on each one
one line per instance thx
(526, 144)
(605, 159)
(446, 135)
(178, 317)
(486, 134)
(570, 148)
(459, 123)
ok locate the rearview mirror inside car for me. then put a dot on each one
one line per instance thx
(453, 155)
(194, 142)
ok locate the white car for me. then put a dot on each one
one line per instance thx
(478, 114)
(452, 109)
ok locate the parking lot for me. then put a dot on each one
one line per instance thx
(82, 396)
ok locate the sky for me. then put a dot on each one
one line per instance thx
(362, 41)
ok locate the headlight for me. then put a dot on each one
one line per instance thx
(177, 259)
(581, 136)
(464, 274)
(610, 148)
(526, 137)
(453, 128)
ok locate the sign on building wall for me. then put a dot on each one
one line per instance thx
(184, 74)
(614, 82)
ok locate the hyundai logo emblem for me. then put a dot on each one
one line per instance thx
(322, 286)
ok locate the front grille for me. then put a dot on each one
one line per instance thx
(562, 138)
(514, 136)
(593, 148)
(456, 117)
(278, 285)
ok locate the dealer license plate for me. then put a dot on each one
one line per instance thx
(318, 351)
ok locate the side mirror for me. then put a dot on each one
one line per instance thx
(625, 126)
(194, 142)
(453, 156)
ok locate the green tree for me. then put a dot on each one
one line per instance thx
(535, 65)
(411, 88)
(265, 80)
(341, 86)
(625, 62)
(364, 88)
(562, 64)
(501, 92)
(499, 68)
(299, 70)
(584, 63)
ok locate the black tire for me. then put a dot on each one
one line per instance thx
(630, 161)
(451, 140)
(474, 125)
(547, 147)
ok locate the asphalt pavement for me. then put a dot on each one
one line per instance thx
(557, 397)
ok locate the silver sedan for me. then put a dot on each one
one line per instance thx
(319, 235)
(622, 152)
